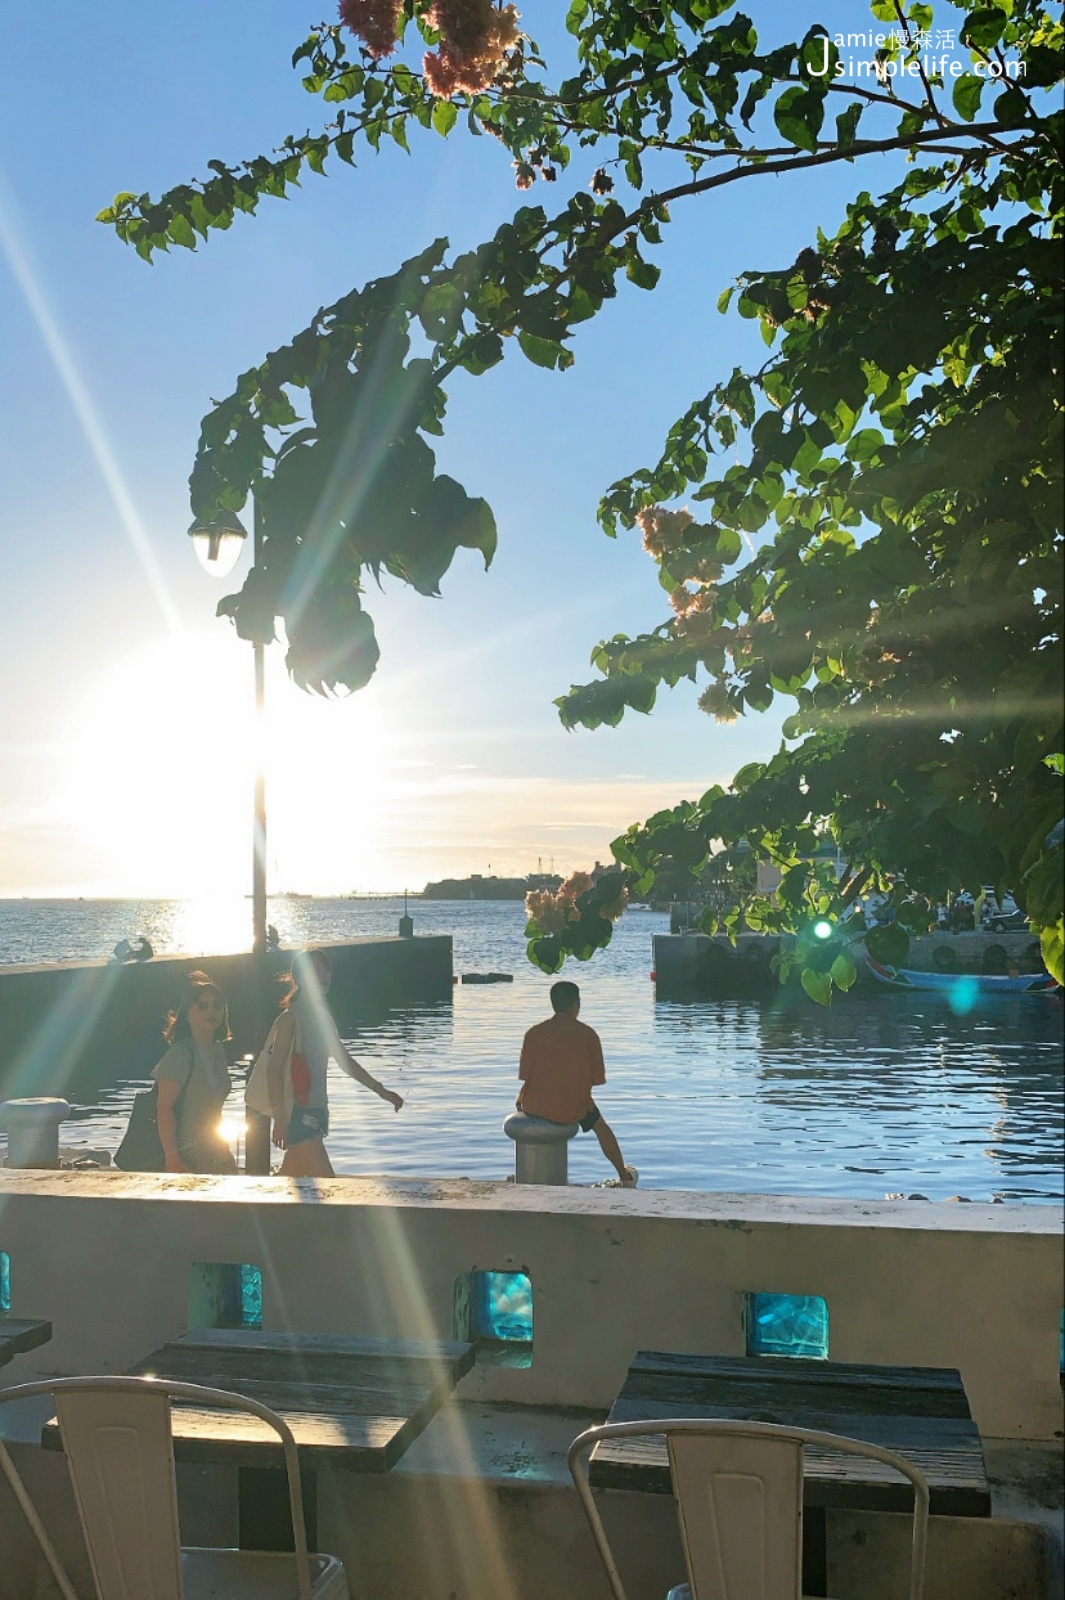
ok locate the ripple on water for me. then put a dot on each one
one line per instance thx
(882, 1093)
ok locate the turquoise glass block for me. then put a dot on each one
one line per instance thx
(787, 1325)
(5, 1282)
(502, 1306)
(225, 1294)
(251, 1297)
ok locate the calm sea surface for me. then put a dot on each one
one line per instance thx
(883, 1094)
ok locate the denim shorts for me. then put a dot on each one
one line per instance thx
(307, 1122)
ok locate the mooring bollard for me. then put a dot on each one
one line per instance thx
(541, 1148)
(33, 1130)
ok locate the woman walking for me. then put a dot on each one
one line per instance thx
(304, 1041)
(193, 1081)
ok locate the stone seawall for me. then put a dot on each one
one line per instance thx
(73, 1027)
(691, 965)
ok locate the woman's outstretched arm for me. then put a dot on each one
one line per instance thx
(355, 1069)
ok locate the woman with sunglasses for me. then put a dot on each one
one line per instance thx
(193, 1080)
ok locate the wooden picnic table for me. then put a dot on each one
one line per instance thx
(352, 1404)
(18, 1334)
(920, 1412)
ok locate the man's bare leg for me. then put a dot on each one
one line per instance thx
(612, 1150)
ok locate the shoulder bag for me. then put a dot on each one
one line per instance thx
(257, 1087)
(141, 1149)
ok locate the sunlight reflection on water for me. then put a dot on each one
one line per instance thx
(884, 1093)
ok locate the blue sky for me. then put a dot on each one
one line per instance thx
(125, 725)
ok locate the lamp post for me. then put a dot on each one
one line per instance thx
(218, 545)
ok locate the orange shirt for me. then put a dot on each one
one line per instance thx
(561, 1061)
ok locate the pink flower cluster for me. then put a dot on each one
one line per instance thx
(715, 702)
(475, 36)
(551, 911)
(663, 530)
(375, 22)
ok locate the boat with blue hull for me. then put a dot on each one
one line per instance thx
(948, 983)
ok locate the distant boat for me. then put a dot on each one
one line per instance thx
(948, 982)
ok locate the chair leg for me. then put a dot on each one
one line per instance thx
(814, 1551)
(264, 1521)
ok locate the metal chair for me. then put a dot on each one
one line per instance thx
(120, 1451)
(738, 1489)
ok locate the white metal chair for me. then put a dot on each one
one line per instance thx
(738, 1489)
(120, 1452)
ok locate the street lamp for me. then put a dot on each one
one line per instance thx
(218, 544)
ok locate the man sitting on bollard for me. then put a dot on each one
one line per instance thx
(561, 1062)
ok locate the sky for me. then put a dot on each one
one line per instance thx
(127, 737)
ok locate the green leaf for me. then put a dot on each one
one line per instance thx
(798, 114)
(984, 27)
(181, 232)
(542, 352)
(847, 125)
(818, 985)
(966, 96)
(644, 274)
(1052, 946)
(843, 971)
(889, 944)
(445, 116)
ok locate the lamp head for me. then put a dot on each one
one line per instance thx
(218, 543)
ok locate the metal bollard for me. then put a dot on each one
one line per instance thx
(541, 1148)
(33, 1130)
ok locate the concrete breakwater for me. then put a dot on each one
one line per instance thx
(73, 1027)
(691, 965)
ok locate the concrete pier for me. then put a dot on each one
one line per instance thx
(78, 1026)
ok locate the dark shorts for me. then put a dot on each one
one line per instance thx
(307, 1122)
(587, 1123)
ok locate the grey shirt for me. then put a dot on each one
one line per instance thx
(206, 1074)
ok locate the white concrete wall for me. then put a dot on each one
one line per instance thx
(107, 1257)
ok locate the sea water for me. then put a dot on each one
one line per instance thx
(884, 1093)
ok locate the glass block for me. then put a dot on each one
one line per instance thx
(502, 1306)
(225, 1294)
(5, 1282)
(251, 1297)
(787, 1325)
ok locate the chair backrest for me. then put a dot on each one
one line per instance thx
(119, 1446)
(738, 1488)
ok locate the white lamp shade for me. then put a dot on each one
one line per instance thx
(218, 544)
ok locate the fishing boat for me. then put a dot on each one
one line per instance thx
(973, 982)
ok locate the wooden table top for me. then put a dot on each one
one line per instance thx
(354, 1404)
(18, 1334)
(920, 1412)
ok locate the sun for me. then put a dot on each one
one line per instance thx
(162, 754)
(160, 771)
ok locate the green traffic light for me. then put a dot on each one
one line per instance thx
(823, 930)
